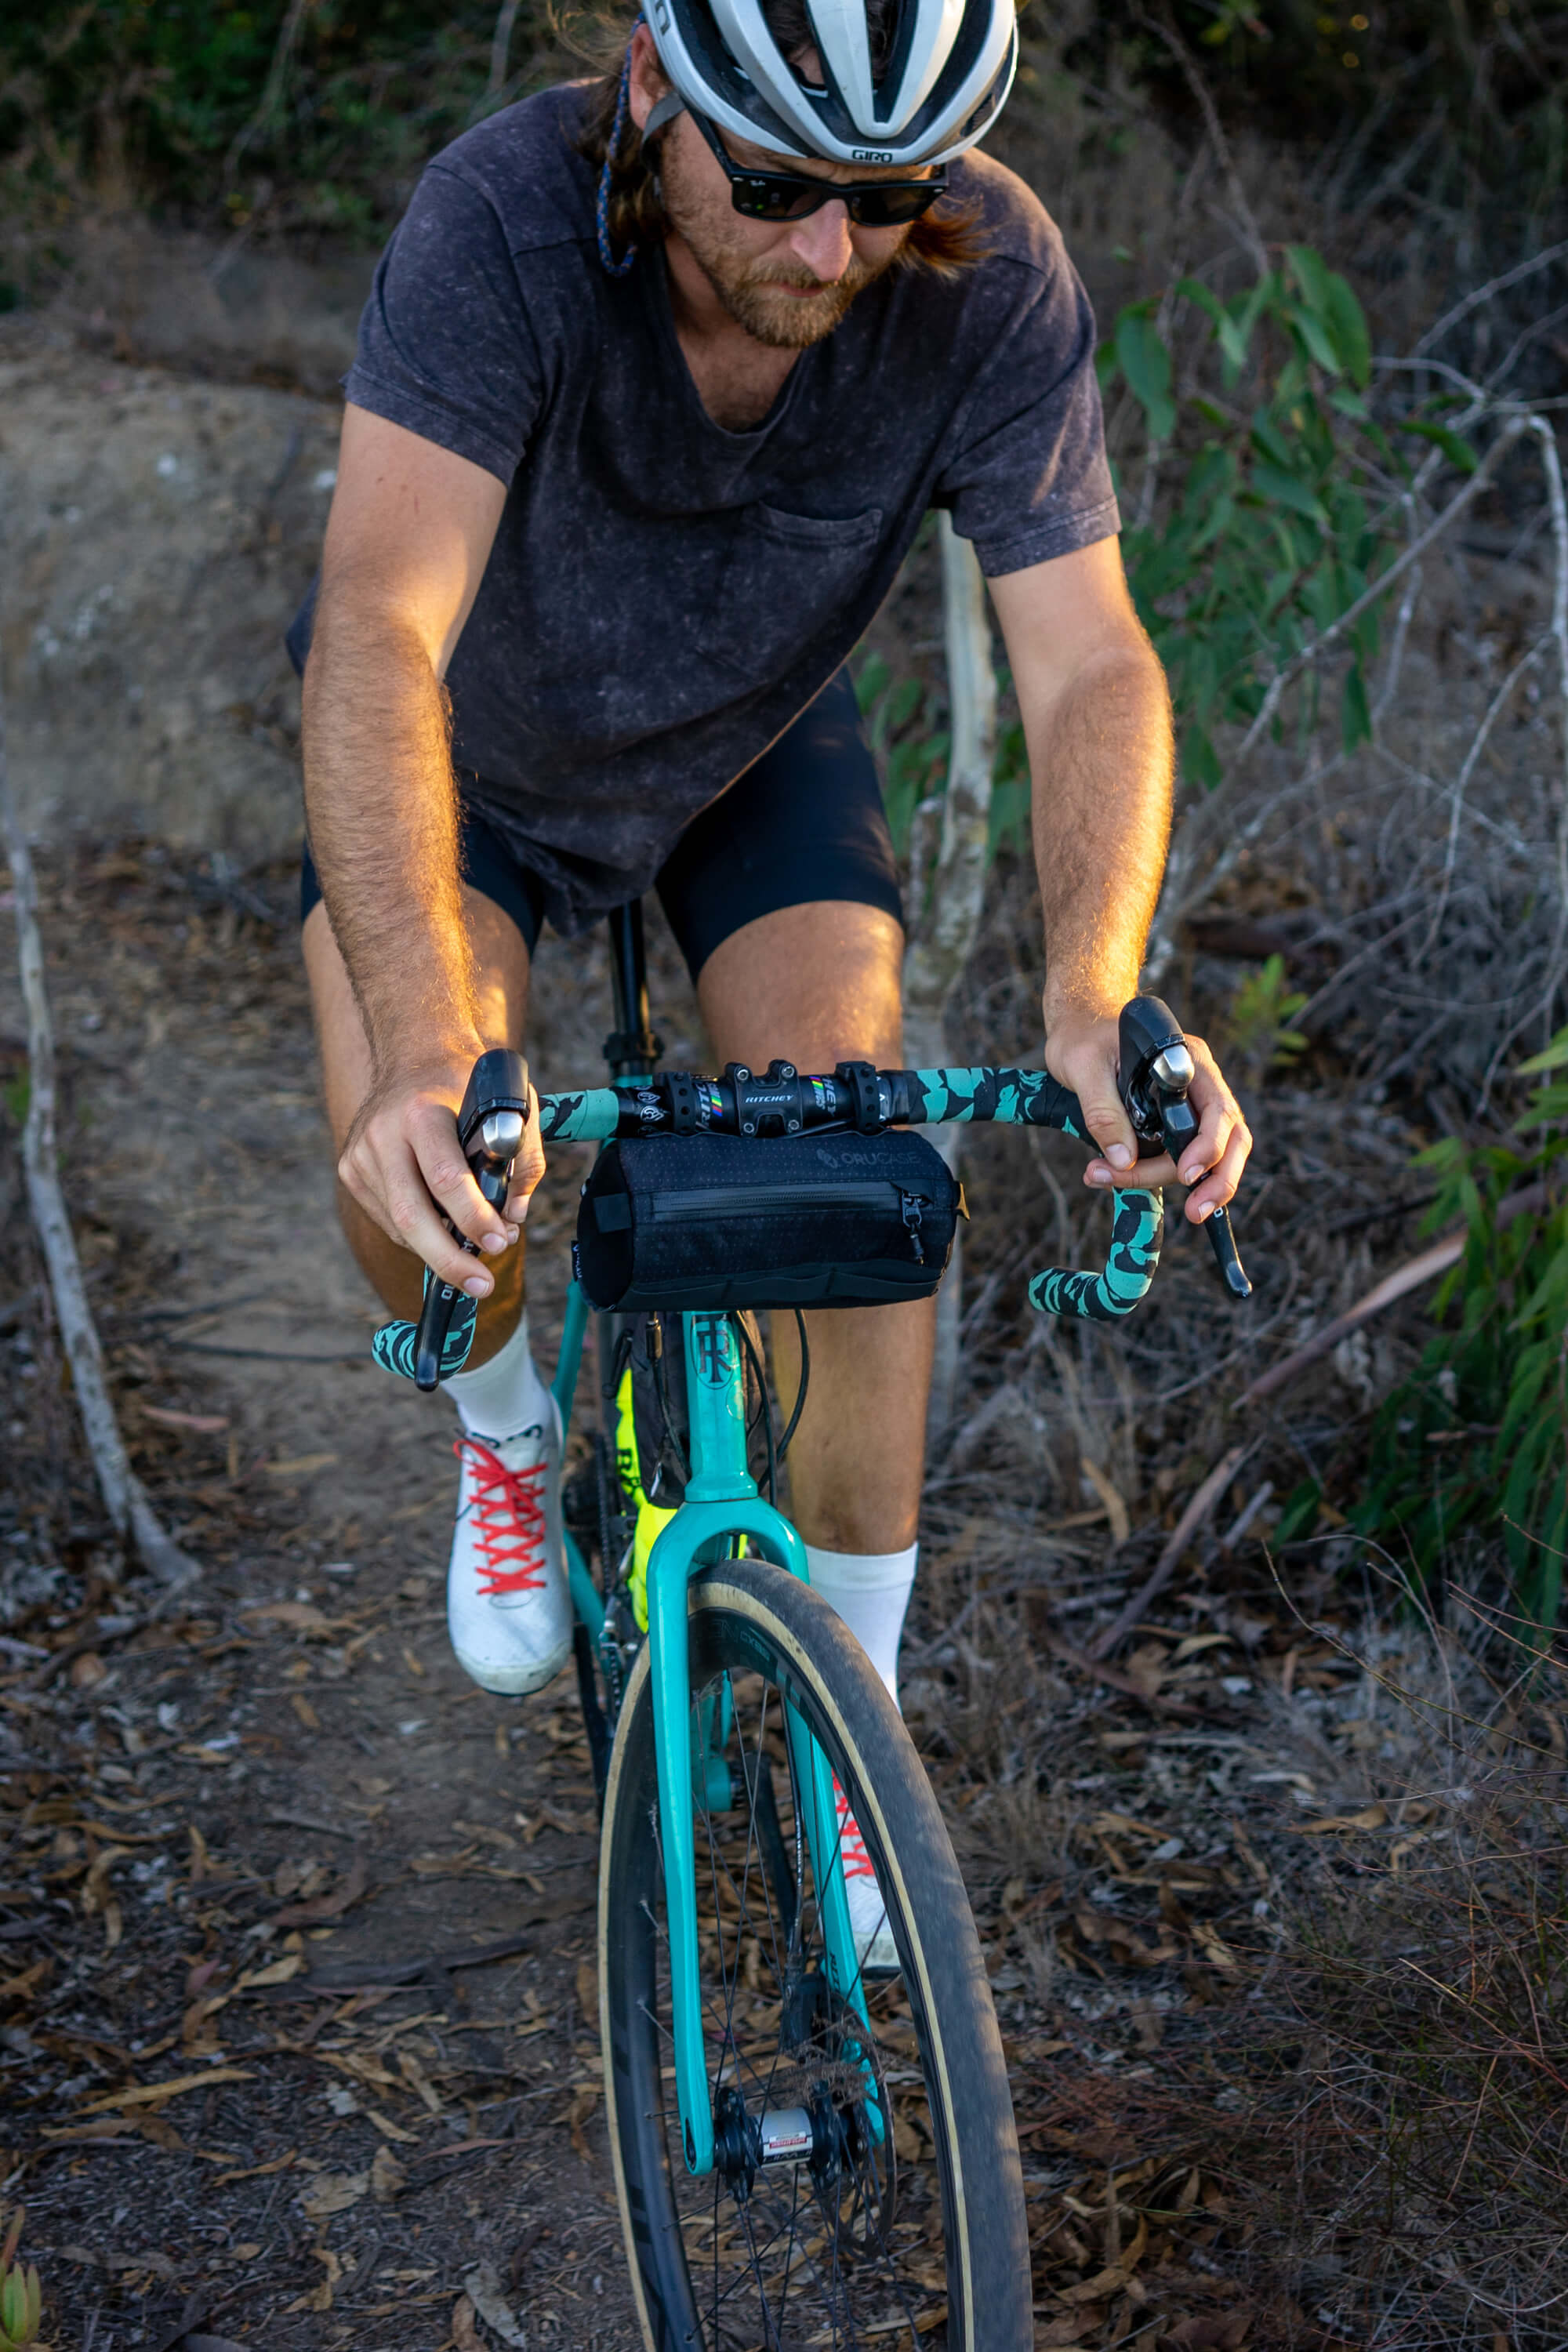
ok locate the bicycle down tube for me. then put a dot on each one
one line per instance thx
(721, 1504)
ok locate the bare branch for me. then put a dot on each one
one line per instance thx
(942, 947)
(1166, 32)
(123, 1494)
(1482, 735)
(500, 50)
(1473, 301)
(1411, 1275)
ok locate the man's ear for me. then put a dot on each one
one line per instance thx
(648, 83)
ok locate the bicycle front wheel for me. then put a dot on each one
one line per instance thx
(868, 2189)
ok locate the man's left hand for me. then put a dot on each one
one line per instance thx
(1082, 1053)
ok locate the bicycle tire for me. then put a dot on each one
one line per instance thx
(751, 1626)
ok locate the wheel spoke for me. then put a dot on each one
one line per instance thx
(841, 2159)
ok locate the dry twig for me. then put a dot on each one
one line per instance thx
(124, 1497)
(1393, 1286)
(1164, 1567)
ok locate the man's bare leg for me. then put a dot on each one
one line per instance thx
(501, 977)
(818, 984)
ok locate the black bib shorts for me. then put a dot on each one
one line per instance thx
(805, 822)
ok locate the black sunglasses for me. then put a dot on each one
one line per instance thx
(790, 196)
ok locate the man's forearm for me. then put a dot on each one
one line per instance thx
(381, 802)
(1101, 759)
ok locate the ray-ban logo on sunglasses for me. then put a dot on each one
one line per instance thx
(870, 155)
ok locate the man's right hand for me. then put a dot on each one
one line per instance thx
(402, 1162)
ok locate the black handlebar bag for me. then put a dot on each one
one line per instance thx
(707, 1222)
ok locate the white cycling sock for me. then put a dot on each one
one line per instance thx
(870, 1592)
(504, 1396)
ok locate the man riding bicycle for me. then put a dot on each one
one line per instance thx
(658, 377)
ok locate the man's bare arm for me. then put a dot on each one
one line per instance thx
(408, 540)
(1097, 722)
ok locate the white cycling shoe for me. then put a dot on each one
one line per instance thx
(875, 1949)
(509, 1609)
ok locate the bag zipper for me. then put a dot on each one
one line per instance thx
(758, 1200)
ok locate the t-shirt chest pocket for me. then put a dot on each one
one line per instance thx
(783, 578)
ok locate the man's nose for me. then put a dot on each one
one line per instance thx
(821, 241)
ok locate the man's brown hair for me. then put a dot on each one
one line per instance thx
(944, 240)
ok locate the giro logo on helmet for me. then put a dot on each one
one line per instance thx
(871, 155)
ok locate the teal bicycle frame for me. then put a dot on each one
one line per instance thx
(722, 1507)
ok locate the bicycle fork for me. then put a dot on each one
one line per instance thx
(722, 1503)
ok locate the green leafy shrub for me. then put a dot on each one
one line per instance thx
(1282, 508)
(150, 101)
(1477, 1437)
(21, 2295)
(1260, 1019)
(911, 748)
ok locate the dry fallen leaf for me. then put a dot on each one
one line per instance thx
(332, 2192)
(582, 2103)
(387, 2177)
(466, 2336)
(258, 2171)
(146, 2095)
(1208, 2332)
(418, 2081)
(1105, 1487)
(1148, 2024)
(86, 1670)
(1214, 1948)
(326, 1905)
(275, 1973)
(1372, 1817)
(305, 1711)
(1123, 1825)
(321, 2297)
(393, 2131)
(300, 1465)
(23, 1987)
(297, 1617)
(484, 2290)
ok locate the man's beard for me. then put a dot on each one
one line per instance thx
(753, 293)
(752, 289)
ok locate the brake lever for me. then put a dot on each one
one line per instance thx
(1155, 1071)
(490, 1125)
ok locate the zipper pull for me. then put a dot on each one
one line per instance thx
(913, 1208)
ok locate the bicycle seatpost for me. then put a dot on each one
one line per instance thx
(1155, 1071)
(490, 1125)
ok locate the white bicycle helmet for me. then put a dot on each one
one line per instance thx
(948, 70)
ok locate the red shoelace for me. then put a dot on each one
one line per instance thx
(508, 1508)
(851, 1844)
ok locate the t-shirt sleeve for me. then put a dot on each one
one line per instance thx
(445, 347)
(1027, 477)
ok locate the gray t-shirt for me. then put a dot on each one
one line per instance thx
(664, 596)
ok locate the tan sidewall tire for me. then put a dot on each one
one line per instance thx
(966, 2072)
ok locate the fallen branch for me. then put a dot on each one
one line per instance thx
(1114, 1679)
(1164, 1567)
(1393, 1286)
(124, 1496)
(371, 1976)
